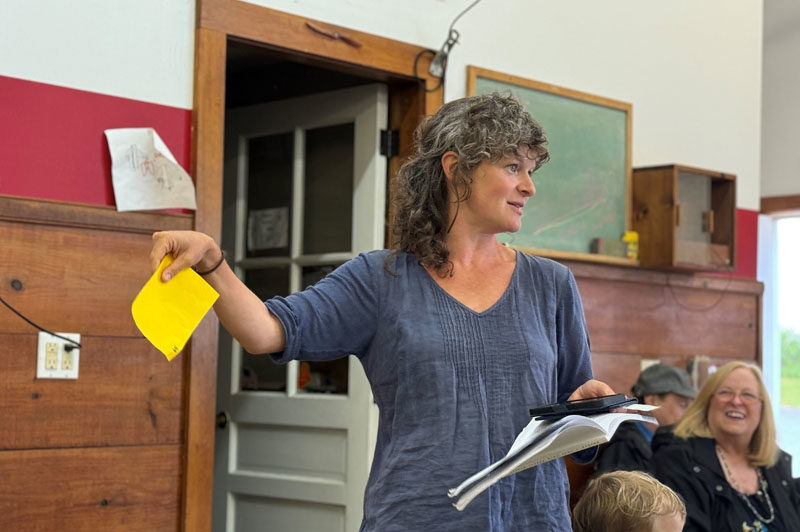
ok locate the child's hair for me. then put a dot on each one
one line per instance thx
(624, 501)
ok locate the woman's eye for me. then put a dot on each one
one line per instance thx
(513, 167)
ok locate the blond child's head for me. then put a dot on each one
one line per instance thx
(628, 501)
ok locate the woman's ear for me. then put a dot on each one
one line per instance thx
(449, 163)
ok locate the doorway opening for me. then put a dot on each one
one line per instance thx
(256, 75)
(307, 58)
(304, 190)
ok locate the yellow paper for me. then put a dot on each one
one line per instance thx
(168, 313)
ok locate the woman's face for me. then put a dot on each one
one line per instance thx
(735, 407)
(672, 407)
(498, 193)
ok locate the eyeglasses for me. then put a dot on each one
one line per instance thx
(728, 395)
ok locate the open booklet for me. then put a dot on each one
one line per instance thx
(545, 440)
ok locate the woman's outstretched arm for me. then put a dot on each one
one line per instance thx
(240, 311)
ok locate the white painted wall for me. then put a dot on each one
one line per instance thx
(138, 49)
(692, 70)
(780, 140)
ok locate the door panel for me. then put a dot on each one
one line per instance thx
(305, 191)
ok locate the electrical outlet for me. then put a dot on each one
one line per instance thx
(50, 355)
(57, 358)
(67, 358)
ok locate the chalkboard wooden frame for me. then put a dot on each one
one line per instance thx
(615, 173)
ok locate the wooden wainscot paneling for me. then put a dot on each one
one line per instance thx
(620, 371)
(72, 280)
(75, 268)
(617, 370)
(126, 394)
(135, 489)
(102, 452)
(652, 314)
(635, 314)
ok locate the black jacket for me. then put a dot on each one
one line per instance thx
(692, 469)
(628, 450)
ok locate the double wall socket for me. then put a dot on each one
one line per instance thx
(57, 358)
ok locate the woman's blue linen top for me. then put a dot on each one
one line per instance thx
(453, 386)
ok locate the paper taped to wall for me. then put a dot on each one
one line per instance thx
(145, 174)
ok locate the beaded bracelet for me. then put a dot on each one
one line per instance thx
(217, 265)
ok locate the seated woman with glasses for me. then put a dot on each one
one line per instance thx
(724, 460)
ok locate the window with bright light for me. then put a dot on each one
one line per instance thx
(788, 302)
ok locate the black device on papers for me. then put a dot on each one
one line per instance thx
(582, 407)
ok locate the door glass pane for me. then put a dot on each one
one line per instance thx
(693, 241)
(269, 195)
(312, 274)
(321, 377)
(328, 203)
(268, 282)
(259, 372)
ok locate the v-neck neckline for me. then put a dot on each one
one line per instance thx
(511, 283)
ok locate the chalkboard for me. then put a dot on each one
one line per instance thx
(583, 192)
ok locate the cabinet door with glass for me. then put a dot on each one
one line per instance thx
(685, 217)
(305, 189)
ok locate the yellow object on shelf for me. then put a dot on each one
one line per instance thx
(631, 239)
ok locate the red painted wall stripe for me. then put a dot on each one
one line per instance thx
(52, 147)
(746, 244)
(52, 144)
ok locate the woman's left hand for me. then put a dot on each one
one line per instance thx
(591, 388)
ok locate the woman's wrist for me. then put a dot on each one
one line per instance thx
(210, 262)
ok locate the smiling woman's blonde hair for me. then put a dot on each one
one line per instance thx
(763, 445)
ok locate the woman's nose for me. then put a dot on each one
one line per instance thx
(526, 186)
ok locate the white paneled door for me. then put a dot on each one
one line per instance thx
(305, 191)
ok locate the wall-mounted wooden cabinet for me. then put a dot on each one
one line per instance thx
(685, 217)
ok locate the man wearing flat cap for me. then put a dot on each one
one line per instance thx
(659, 385)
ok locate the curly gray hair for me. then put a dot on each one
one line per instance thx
(477, 128)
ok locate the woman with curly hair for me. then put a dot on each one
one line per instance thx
(458, 334)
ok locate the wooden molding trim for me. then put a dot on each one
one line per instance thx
(780, 205)
(208, 119)
(353, 50)
(208, 123)
(84, 216)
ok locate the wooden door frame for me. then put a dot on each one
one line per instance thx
(403, 66)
